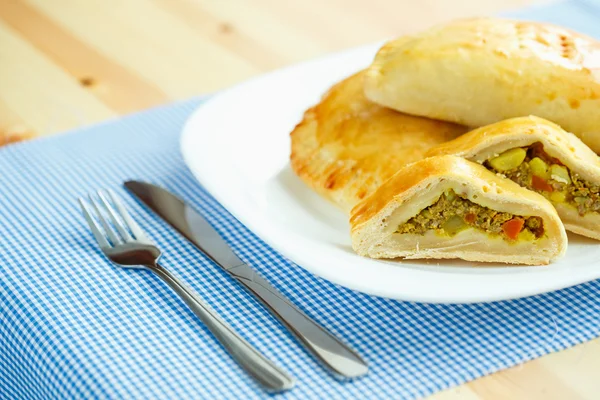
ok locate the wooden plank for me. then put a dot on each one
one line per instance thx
(340, 24)
(12, 127)
(224, 33)
(144, 38)
(578, 366)
(43, 95)
(330, 23)
(528, 381)
(117, 87)
(261, 23)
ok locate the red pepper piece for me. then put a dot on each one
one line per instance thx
(540, 184)
(513, 227)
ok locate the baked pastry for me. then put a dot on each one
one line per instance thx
(448, 207)
(541, 156)
(346, 146)
(480, 71)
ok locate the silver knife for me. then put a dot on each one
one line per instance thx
(342, 361)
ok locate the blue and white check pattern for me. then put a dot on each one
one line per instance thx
(74, 326)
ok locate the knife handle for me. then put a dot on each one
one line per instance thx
(328, 349)
(259, 367)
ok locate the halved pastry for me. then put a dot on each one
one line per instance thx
(346, 146)
(541, 156)
(448, 207)
(480, 71)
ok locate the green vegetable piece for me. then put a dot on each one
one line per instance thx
(450, 195)
(454, 225)
(539, 167)
(526, 235)
(558, 197)
(560, 174)
(580, 200)
(508, 160)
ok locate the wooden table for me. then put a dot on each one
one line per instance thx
(69, 63)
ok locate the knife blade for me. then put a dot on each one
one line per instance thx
(335, 355)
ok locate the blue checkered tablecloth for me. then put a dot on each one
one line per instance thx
(74, 326)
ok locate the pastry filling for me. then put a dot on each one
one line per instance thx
(532, 168)
(452, 213)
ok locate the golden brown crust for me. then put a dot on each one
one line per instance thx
(511, 133)
(418, 185)
(346, 146)
(484, 143)
(480, 71)
(442, 167)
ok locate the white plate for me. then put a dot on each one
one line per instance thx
(237, 145)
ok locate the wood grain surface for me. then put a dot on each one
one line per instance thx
(69, 63)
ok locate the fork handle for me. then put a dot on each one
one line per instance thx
(264, 371)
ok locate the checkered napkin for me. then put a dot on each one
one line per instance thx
(72, 325)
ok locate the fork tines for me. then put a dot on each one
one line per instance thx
(119, 228)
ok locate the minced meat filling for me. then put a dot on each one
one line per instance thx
(532, 168)
(453, 213)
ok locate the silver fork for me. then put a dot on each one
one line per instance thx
(129, 247)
